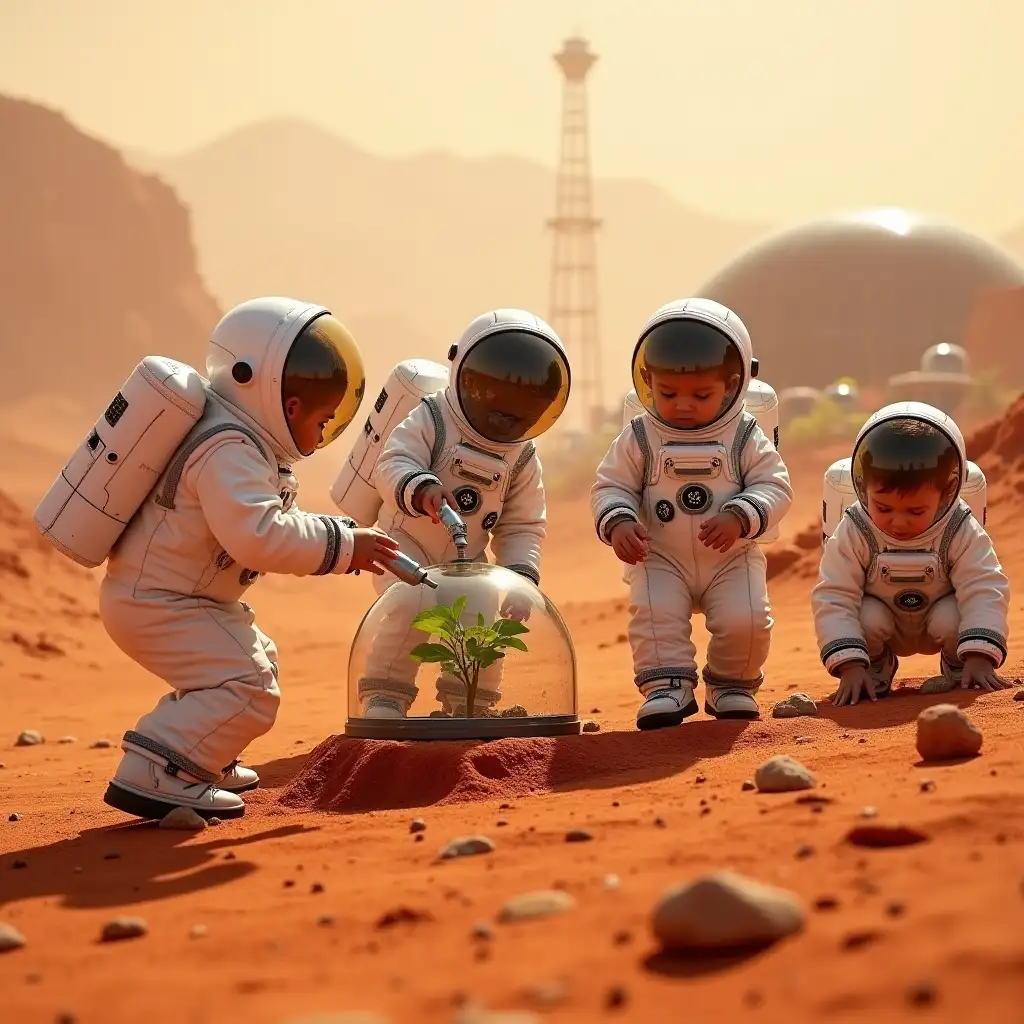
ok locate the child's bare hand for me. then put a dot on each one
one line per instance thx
(854, 679)
(371, 547)
(516, 607)
(630, 542)
(721, 532)
(429, 499)
(980, 671)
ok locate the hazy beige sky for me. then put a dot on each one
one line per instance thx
(770, 109)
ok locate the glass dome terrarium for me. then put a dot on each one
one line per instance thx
(485, 655)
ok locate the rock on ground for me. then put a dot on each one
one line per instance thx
(937, 684)
(725, 910)
(29, 738)
(10, 938)
(183, 818)
(945, 732)
(536, 904)
(781, 774)
(591, 726)
(795, 706)
(466, 846)
(123, 928)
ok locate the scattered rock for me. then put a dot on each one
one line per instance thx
(550, 993)
(937, 684)
(316, 887)
(894, 908)
(923, 993)
(402, 915)
(944, 732)
(858, 940)
(532, 905)
(214, 821)
(578, 835)
(748, 785)
(611, 882)
(804, 739)
(482, 930)
(197, 931)
(466, 846)
(325, 920)
(29, 738)
(927, 786)
(699, 779)
(826, 903)
(723, 910)
(880, 836)
(1019, 695)
(805, 851)
(781, 774)
(230, 855)
(659, 823)
(616, 997)
(102, 744)
(869, 812)
(68, 739)
(184, 819)
(15, 817)
(417, 825)
(591, 726)
(123, 928)
(796, 705)
(10, 938)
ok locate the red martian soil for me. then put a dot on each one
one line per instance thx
(322, 901)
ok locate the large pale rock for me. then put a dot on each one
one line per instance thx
(725, 910)
(184, 819)
(781, 774)
(467, 846)
(10, 938)
(796, 705)
(937, 684)
(945, 732)
(545, 903)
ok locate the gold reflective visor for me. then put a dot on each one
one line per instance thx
(331, 333)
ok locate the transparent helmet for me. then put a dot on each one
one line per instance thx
(907, 473)
(688, 374)
(485, 655)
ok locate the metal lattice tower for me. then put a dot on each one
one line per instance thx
(573, 309)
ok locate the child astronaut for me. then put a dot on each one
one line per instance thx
(681, 496)
(908, 569)
(285, 378)
(470, 445)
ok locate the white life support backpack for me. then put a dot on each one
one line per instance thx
(760, 401)
(355, 488)
(838, 494)
(111, 473)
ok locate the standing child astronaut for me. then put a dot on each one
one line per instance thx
(470, 445)
(908, 569)
(285, 378)
(681, 496)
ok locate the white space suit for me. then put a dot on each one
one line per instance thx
(221, 515)
(943, 591)
(509, 384)
(672, 480)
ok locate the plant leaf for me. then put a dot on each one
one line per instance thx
(459, 607)
(431, 654)
(489, 657)
(515, 643)
(481, 634)
(431, 621)
(510, 627)
(480, 620)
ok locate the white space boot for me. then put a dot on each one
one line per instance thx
(451, 695)
(238, 779)
(146, 789)
(385, 698)
(883, 671)
(730, 700)
(666, 703)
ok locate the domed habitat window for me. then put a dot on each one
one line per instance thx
(485, 655)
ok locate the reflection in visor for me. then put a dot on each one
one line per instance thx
(687, 374)
(512, 386)
(907, 467)
(324, 370)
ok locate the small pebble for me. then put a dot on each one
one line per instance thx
(482, 930)
(615, 998)
(230, 855)
(68, 739)
(863, 739)
(66, 1018)
(417, 825)
(10, 938)
(197, 931)
(748, 785)
(15, 817)
(927, 786)
(894, 908)
(418, 838)
(611, 882)
(804, 739)
(325, 920)
(102, 744)
(923, 993)
(29, 738)
(858, 940)
(1019, 695)
(826, 903)
(805, 851)
(289, 883)
(466, 846)
(700, 779)
(316, 887)
(659, 822)
(501, 823)
(591, 726)
(123, 928)
(184, 819)
(534, 905)
(578, 835)
(781, 774)
(550, 993)
(622, 938)
(869, 812)
(214, 821)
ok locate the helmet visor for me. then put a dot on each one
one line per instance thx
(512, 386)
(687, 374)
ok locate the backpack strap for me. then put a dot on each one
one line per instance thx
(640, 433)
(744, 430)
(440, 431)
(172, 478)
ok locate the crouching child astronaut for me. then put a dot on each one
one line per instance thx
(470, 446)
(681, 496)
(908, 569)
(285, 378)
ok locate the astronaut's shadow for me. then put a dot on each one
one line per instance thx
(134, 863)
(903, 705)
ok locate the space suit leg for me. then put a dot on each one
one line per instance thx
(942, 628)
(738, 617)
(664, 657)
(883, 637)
(223, 672)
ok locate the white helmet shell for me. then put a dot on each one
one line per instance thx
(246, 356)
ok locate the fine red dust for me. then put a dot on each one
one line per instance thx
(297, 897)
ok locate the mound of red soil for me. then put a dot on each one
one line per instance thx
(998, 448)
(799, 559)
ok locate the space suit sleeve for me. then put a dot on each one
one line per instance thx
(404, 465)
(618, 491)
(767, 492)
(982, 593)
(519, 535)
(245, 513)
(837, 598)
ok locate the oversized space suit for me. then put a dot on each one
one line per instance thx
(671, 480)
(509, 383)
(942, 591)
(221, 515)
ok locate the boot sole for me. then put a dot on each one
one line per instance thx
(153, 810)
(725, 716)
(241, 789)
(666, 720)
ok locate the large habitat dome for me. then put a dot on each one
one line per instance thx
(482, 655)
(862, 295)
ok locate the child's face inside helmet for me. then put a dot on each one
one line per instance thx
(512, 386)
(687, 401)
(322, 384)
